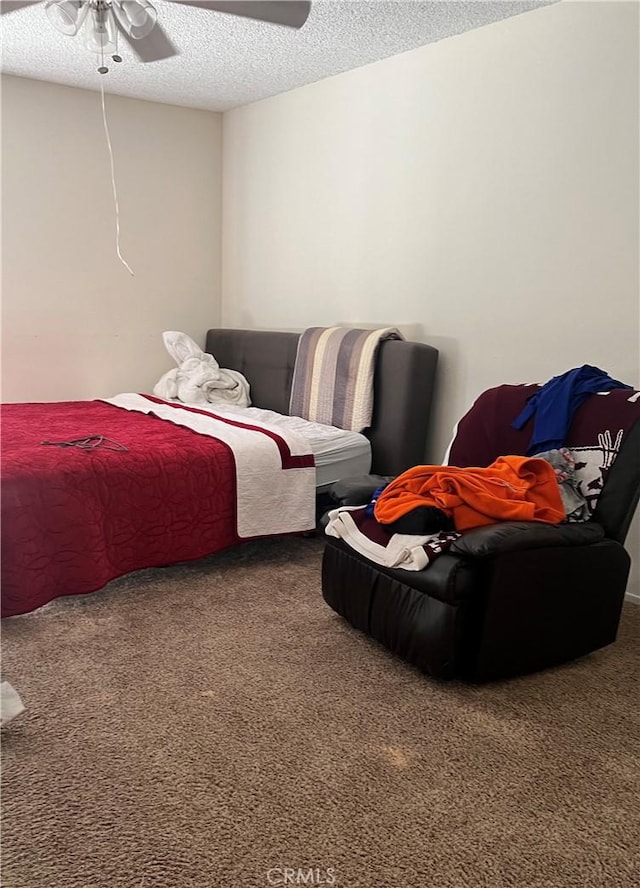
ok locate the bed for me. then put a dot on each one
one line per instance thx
(160, 482)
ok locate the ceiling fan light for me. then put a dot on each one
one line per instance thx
(137, 18)
(66, 15)
(99, 34)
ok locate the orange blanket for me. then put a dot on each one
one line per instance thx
(513, 488)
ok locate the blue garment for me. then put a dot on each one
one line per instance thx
(555, 404)
(374, 499)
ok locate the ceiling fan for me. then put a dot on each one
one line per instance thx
(100, 21)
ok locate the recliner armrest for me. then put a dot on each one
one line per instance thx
(357, 491)
(511, 536)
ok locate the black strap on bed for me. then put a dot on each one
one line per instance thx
(90, 442)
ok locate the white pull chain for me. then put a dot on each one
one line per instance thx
(113, 180)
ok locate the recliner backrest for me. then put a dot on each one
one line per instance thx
(604, 436)
(620, 495)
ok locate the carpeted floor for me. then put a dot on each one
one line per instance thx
(209, 725)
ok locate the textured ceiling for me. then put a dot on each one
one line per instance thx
(226, 61)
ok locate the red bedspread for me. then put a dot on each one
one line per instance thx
(72, 520)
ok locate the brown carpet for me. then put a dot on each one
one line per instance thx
(208, 725)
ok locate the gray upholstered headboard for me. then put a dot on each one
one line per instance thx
(403, 387)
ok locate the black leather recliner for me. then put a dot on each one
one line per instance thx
(512, 597)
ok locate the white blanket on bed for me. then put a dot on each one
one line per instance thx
(198, 378)
(275, 472)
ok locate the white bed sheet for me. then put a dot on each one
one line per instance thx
(338, 453)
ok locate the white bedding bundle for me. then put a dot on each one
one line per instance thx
(198, 378)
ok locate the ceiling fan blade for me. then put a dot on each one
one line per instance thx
(289, 13)
(152, 48)
(12, 5)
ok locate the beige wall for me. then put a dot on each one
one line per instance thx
(75, 324)
(483, 189)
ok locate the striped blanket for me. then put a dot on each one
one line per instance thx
(333, 375)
